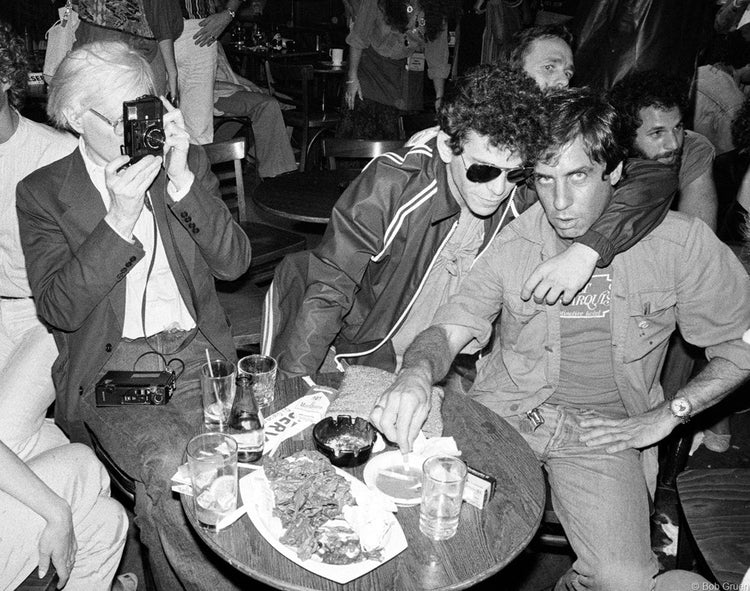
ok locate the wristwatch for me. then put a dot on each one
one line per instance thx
(232, 13)
(681, 408)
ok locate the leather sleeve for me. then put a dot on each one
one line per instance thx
(335, 269)
(641, 200)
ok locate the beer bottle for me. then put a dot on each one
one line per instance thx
(246, 422)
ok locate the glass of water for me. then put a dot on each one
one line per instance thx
(212, 462)
(261, 370)
(443, 479)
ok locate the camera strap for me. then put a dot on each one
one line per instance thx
(183, 270)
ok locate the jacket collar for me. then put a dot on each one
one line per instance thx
(445, 206)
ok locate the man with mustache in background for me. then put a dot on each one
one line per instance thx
(652, 106)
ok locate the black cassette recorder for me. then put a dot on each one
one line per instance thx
(117, 388)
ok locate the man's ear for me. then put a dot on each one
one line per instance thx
(75, 120)
(615, 175)
(5, 85)
(443, 146)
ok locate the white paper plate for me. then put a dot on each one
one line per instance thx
(387, 462)
(258, 498)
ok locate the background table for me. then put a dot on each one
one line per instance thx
(486, 541)
(329, 83)
(304, 196)
(716, 505)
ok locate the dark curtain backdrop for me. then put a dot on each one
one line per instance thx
(617, 36)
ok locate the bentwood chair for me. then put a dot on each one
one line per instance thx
(352, 149)
(291, 84)
(242, 299)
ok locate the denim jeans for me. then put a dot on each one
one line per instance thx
(602, 502)
(148, 443)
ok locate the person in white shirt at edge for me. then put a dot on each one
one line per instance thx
(55, 508)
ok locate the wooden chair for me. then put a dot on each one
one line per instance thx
(291, 85)
(242, 299)
(229, 126)
(334, 148)
(715, 529)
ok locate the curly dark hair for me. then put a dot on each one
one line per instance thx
(741, 128)
(497, 101)
(640, 90)
(14, 64)
(436, 12)
(587, 113)
(524, 38)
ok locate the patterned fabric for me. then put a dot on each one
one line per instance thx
(121, 15)
(201, 8)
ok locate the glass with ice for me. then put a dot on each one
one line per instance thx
(212, 462)
(443, 479)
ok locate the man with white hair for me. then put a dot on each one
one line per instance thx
(121, 256)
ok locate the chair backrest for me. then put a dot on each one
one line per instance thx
(356, 149)
(230, 179)
(290, 83)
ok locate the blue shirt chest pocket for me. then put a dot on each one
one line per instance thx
(651, 321)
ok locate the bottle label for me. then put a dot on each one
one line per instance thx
(252, 440)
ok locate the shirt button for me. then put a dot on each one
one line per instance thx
(196, 230)
(514, 407)
(184, 214)
(643, 324)
(188, 218)
(108, 347)
(132, 259)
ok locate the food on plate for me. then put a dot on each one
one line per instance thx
(338, 543)
(309, 497)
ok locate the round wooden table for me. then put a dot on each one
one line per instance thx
(486, 540)
(304, 196)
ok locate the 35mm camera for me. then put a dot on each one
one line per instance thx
(143, 127)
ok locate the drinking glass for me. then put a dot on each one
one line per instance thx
(443, 480)
(261, 369)
(212, 462)
(217, 388)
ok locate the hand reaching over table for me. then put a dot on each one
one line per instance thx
(402, 409)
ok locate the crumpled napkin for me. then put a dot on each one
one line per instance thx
(362, 386)
(435, 446)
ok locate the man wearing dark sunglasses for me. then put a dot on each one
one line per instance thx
(406, 231)
(397, 245)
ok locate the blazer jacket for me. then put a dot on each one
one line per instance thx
(77, 264)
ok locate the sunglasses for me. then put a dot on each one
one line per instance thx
(484, 173)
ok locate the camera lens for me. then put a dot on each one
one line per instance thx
(154, 138)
